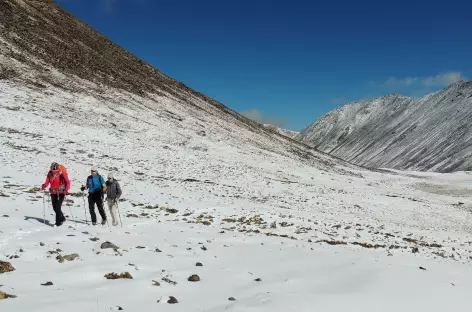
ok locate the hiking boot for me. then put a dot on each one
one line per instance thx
(104, 221)
(94, 223)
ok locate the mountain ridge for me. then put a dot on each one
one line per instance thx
(390, 131)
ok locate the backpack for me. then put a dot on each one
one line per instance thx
(100, 178)
(62, 172)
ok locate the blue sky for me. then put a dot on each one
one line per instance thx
(290, 62)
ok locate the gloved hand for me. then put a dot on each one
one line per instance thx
(43, 186)
(82, 188)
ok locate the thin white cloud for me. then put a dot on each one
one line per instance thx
(438, 81)
(260, 117)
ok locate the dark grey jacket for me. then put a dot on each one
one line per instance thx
(113, 190)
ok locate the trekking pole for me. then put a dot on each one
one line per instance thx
(85, 209)
(44, 208)
(119, 214)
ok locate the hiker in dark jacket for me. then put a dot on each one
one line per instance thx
(113, 195)
(96, 186)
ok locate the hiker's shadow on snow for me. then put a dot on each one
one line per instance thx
(41, 220)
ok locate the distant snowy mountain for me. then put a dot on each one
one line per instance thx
(288, 133)
(430, 133)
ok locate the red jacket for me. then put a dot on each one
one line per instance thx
(58, 185)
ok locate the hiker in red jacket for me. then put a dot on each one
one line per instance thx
(59, 183)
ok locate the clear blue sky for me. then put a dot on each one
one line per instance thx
(290, 62)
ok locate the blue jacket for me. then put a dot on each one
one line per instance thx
(94, 183)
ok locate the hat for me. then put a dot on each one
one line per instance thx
(110, 175)
(94, 169)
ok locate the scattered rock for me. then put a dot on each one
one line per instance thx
(6, 216)
(33, 190)
(6, 267)
(258, 280)
(204, 248)
(47, 284)
(41, 244)
(155, 283)
(415, 250)
(421, 268)
(168, 280)
(132, 215)
(157, 250)
(194, 278)
(367, 245)
(5, 295)
(114, 276)
(198, 264)
(231, 299)
(107, 245)
(140, 247)
(332, 242)
(172, 300)
(71, 257)
(171, 210)
(94, 239)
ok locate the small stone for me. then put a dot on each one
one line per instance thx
(113, 276)
(47, 284)
(140, 247)
(231, 299)
(6, 267)
(415, 250)
(204, 248)
(41, 244)
(172, 300)
(156, 283)
(157, 250)
(421, 268)
(198, 264)
(5, 295)
(194, 278)
(107, 245)
(21, 250)
(94, 239)
(258, 280)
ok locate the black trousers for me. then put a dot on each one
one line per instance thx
(57, 200)
(96, 198)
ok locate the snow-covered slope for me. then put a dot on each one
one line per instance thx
(429, 133)
(275, 225)
(288, 133)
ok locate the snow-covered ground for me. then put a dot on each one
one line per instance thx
(273, 230)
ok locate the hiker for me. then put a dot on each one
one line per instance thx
(96, 186)
(113, 195)
(58, 180)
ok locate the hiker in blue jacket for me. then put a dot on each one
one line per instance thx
(97, 188)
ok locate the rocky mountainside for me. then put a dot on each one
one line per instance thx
(431, 133)
(45, 49)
